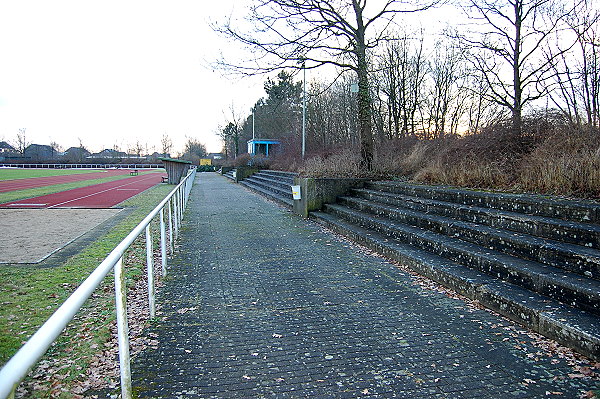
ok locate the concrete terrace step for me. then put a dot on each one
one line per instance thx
(229, 175)
(289, 176)
(273, 184)
(269, 193)
(267, 186)
(574, 258)
(570, 326)
(268, 180)
(571, 210)
(556, 283)
(585, 234)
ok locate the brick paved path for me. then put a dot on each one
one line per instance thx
(260, 303)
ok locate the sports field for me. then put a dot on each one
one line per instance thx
(49, 222)
(96, 189)
(22, 179)
(103, 195)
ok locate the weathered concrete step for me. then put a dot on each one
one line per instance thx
(285, 200)
(570, 326)
(282, 183)
(581, 260)
(561, 285)
(572, 210)
(585, 234)
(279, 174)
(281, 190)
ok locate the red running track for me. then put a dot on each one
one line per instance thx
(104, 195)
(34, 182)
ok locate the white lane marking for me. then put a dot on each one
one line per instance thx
(99, 192)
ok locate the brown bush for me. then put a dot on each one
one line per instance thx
(567, 163)
(548, 157)
(334, 163)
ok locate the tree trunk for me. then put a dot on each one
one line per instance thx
(517, 84)
(365, 124)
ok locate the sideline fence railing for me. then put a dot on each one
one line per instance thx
(16, 369)
(81, 165)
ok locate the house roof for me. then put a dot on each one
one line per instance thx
(6, 146)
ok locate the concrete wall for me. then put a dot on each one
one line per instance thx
(241, 172)
(317, 192)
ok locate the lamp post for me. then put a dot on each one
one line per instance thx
(253, 123)
(304, 109)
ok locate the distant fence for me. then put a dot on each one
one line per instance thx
(81, 165)
(15, 370)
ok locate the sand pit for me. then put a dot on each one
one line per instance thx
(31, 235)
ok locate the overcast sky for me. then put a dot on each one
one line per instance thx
(114, 72)
(118, 72)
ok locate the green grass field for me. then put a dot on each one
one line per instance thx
(9, 174)
(29, 294)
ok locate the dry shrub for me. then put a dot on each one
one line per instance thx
(417, 159)
(549, 157)
(566, 163)
(241, 160)
(393, 156)
(470, 172)
(341, 163)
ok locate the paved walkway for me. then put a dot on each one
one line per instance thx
(260, 303)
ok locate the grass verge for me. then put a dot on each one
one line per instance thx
(29, 295)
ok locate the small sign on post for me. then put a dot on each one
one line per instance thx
(296, 192)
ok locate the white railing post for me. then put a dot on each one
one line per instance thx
(178, 215)
(175, 216)
(181, 205)
(150, 268)
(163, 242)
(123, 330)
(170, 227)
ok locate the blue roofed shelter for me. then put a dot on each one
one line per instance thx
(262, 146)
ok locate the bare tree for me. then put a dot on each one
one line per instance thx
(313, 33)
(480, 110)
(81, 143)
(136, 148)
(577, 73)
(193, 150)
(446, 74)
(56, 148)
(506, 44)
(332, 115)
(166, 144)
(22, 143)
(402, 75)
(230, 135)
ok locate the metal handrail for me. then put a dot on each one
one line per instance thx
(15, 370)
